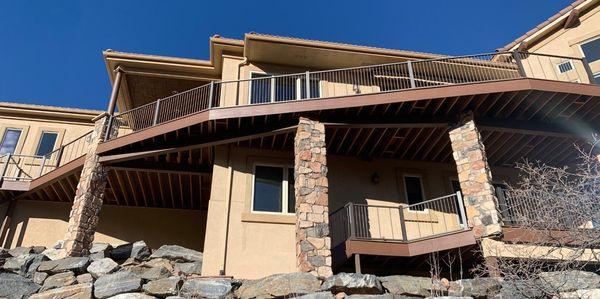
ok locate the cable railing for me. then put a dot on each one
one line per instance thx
(264, 88)
(403, 223)
(18, 167)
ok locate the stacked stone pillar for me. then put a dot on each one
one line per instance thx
(83, 218)
(475, 177)
(313, 245)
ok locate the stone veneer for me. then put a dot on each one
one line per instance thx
(313, 245)
(83, 218)
(475, 177)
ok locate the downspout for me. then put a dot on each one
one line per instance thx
(230, 187)
(237, 94)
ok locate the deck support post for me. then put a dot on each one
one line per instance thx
(475, 178)
(357, 268)
(313, 244)
(85, 211)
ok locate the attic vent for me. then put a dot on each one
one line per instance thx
(565, 66)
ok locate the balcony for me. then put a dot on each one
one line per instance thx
(400, 230)
(17, 170)
(348, 82)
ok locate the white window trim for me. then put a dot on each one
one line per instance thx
(284, 189)
(39, 142)
(15, 151)
(272, 96)
(424, 197)
(585, 42)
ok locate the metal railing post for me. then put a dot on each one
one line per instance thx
(108, 128)
(272, 92)
(59, 155)
(461, 210)
(588, 70)
(403, 224)
(5, 167)
(42, 167)
(155, 117)
(411, 75)
(351, 220)
(517, 57)
(210, 94)
(307, 85)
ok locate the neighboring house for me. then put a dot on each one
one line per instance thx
(282, 154)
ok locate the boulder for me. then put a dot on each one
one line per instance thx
(101, 248)
(477, 287)
(75, 264)
(353, 283)
(55, 254)
(59, 280)
(318, 295)
(581, 294)
(16, 286)
(189, 268)
(102, 267)
(279, 285)
(19, 265)
(78, 291)
(159, 262)
(85, 278)
(19, 251)
(203, 288)
(411, 286)
(163, 287)
(39, 277)
(117, 283)
(155, 273)
(37, 261)
(132, 296)
(177, 253)
(520, 289)
(449, 297)
(138, 251)
(567, 281)
(380, 296)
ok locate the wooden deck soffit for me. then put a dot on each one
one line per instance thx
(524, 87)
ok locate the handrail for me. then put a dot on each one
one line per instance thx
(403, 223)
(23, 167)
(349, 81)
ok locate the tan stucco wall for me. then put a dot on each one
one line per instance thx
(32, 129)
(44, 223)
(567, 41)
(261, 244)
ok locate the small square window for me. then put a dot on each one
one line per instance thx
(565, 67)
(10, 141)
(47, 142)
(414, 189)
(273, 189)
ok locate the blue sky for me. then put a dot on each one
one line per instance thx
(51, 51)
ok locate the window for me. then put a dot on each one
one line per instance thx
(597, 78)
(260, 88)
(9, 141)
(47, 142)
(564, 67)
(455, 186)
(266, 88)
(273, 189)
(413, 189)
(591, 50)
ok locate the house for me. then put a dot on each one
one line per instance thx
(282, 154)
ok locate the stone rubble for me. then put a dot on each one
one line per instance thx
(175, 272)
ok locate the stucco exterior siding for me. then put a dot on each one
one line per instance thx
(44, 223)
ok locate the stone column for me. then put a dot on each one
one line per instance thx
(475, 178)
(83, 218)
(313, 245)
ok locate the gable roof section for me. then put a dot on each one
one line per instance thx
(553, 23)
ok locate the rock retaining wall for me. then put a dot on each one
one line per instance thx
(135, 271)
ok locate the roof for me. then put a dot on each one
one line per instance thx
(34, 109)
(546, 24)
(343, 46)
